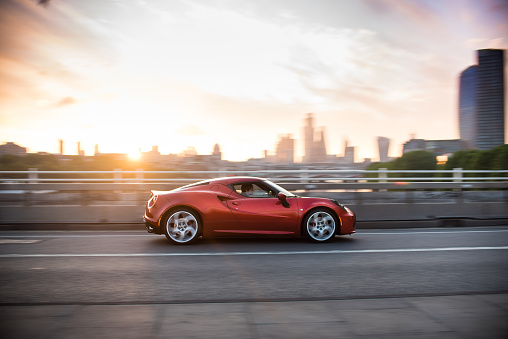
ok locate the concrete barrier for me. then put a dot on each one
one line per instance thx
(411, 215)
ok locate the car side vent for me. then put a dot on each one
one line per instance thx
(223, 198)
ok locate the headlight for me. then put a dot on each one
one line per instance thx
(341, 206)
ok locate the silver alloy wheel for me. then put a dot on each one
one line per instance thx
(320, 226)
(182, 227)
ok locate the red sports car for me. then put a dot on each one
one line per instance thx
(240, 206)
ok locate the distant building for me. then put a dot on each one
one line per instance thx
(481, 101)
(490, 111)
(285, 150)
(81, 152)
(61, 146)
(12, 148)
(314, 141)
(413, 145)
(467, 106)
(347, 160)
(217, 154)
(349, 154)
(189, 152)
(153, 156)
(383, 145)
(438, 147)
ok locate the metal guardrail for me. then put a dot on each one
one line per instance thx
(146, 187)
(26, 187)
(299, 176)
(294, 180)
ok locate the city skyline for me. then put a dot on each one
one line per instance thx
(283, 152)
(130, 75)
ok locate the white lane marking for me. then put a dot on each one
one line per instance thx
(75, 236)
(359, 232)
(429, 232)
(18, 241)
(207, 254)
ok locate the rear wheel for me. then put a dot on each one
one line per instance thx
(320, 225)
(182, 226)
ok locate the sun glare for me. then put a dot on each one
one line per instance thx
(135, 155)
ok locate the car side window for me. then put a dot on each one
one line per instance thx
(253, 190)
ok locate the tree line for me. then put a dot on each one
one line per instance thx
(493, 159)
(52, 162)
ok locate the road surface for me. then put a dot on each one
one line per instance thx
(134, 270)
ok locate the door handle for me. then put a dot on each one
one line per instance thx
(236, 203)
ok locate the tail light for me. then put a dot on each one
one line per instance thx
(152, 201)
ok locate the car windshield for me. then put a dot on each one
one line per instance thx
(279, 189)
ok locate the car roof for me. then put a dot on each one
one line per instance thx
(231, 180)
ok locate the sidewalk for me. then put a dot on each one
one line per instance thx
(462, 316)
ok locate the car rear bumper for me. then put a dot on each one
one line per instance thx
(151, 226)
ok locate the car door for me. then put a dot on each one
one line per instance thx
(262, 213)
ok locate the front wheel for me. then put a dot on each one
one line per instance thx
(182, 226)
(320, 225)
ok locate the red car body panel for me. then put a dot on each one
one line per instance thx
(266, 215)
(224, 212)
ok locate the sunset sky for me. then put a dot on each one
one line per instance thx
(129, 74)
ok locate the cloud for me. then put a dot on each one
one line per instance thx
(419, 11)
(368, 69)
(66, 101)
(190, 130)
(43, 2)
(482, 43)
(199, 68)
(46, 50)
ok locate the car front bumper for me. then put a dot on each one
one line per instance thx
(348, 223)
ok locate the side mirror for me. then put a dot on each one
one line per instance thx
(282, 197)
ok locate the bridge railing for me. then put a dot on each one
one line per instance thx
(295, 180)
(91, 187)
(297, 176)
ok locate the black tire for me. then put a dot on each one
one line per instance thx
(320, 225)
(182, 226)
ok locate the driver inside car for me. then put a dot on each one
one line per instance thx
(247, 190)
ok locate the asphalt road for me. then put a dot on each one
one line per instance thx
(133, 267)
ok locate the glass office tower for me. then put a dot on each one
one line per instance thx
(481, 101)
(490, 99)
(467, 106)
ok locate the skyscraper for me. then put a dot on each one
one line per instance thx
(467, 106)
(383, 145)
(308, 136)
(61, 146)
(481, 101)
(490, 104)
(314, 141)
(349, 153)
